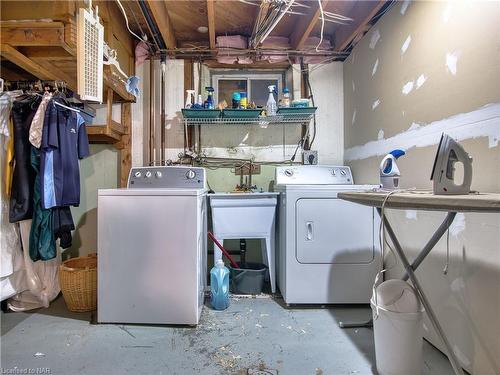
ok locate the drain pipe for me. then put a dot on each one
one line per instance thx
(152, 127)
(163, 62)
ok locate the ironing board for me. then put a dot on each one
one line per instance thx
(424, 200)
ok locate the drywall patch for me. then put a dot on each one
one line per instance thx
(353, 86)
(482, 122)
(380, 134)
(414, 126)
(374, 39)
(375, 66)
(375, 104)
(245, 138)
(421, 80)
(451, 61)
(405, 6)
(407, 88)
(353, 120)
(411, 214)
(458, 225)
(405, 45)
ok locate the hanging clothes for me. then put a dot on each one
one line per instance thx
(64, 143)
(5, 108)
(6, 130)
(63, 225)
(42, 243)
(36, 127)
(12, 271)
(23, 178)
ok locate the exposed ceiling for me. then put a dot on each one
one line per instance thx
(178, 23)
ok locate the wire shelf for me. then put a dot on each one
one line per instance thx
(291, 118)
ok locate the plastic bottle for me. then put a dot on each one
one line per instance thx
(286, 98)
(236, 100)
(219, 286)
(209, 103)
(243, 100)
(271, 103)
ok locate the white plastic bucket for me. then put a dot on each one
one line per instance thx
(398, 340)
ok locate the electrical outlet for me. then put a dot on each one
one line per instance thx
(310, 157)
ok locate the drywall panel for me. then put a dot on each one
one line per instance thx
(423, 69)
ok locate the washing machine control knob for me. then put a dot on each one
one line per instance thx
(148, 174)
(342, 172)
(138, 174)
(190, 174)
(334, 172)
(288, 172)
(158, 174)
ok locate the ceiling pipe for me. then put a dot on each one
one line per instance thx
(152, 25)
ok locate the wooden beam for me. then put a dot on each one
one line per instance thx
(306, 25)
(47, 53)
(31, 33)
(343, 41)
(162, 19)
(211, 22)
(125, 145)
(16, 57)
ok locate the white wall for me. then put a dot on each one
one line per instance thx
(328, 90)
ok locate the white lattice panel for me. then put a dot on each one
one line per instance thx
(90, 56)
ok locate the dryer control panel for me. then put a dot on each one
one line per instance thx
(167, 177)
(314, 175)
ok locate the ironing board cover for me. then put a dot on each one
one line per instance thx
(426, 200)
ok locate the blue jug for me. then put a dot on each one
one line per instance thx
(219, 286)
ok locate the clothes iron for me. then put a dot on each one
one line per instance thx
(443, 172)
(389, 171)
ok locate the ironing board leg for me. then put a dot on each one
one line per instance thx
(457, 368)
(420, 257)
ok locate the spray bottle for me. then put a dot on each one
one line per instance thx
(271, 103)
(209, 103)
(189, 99)
(389, 171)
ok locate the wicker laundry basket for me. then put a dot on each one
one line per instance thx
(78, 281)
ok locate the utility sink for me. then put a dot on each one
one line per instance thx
(246, 215)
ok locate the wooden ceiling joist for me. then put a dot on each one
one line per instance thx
(306, 25)
(162, 19)
(342, 40)
(46, 72)
(211, 22)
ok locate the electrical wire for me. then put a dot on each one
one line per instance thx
(143, 39)
(322, 25)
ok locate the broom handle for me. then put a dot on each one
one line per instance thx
(231, 260)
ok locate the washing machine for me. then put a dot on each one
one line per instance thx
(328, 250)
(151, 245)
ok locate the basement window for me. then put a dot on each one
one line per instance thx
(254, 84)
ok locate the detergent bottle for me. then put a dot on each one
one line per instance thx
(271, 103)
(389, 171)
(209, 103)
(219, 286)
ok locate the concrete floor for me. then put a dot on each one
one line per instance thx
(254, 333)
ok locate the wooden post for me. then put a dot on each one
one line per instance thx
(125, 145)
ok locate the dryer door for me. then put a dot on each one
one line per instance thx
(332, 230)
